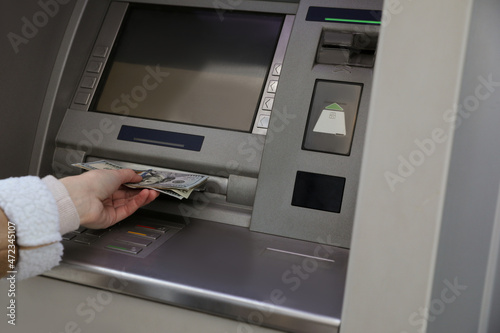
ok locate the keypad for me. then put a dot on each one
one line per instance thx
(132, 237)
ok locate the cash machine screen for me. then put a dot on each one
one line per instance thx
(190, 65)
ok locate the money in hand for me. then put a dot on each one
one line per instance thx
(176, 184)
(98, 165)
(170, 180)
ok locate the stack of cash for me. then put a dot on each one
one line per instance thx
(179, 185)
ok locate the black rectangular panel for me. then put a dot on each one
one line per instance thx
(317, 191)
(344, 15)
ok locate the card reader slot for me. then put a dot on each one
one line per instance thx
(347, 48)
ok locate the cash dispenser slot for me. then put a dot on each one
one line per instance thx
(226, 200)
(235, 189)
(347, 48)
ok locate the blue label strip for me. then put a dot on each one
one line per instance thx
(161, 138)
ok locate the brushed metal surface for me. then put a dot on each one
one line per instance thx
(225, 270)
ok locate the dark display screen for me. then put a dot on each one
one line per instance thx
(190, 65)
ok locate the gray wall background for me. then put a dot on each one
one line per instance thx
(25, 74)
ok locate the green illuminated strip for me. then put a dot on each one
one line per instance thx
(117, 247)
(352, 21)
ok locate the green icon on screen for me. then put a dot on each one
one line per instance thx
(334, 106)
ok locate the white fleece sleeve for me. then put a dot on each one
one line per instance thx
(28, 203)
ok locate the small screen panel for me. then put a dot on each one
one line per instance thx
(190, 65)
(332, 117)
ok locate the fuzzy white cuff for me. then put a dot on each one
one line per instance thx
(28, 203)
(36, 261)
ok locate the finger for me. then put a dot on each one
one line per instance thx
(123, 194)
(128, 207)
(128, 176)
(152, 196)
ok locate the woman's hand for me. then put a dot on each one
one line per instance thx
(101, 199)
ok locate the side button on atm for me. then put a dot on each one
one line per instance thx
(82, 98)
(88, 82)
(277, 70)
(94, 67)
(268, 103)
(100, 51)
(263, 121)
(273, 86)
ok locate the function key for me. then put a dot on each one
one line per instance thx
(263, 121)
(95, 232)
(80, 230)
(94, 67)
(268, 103)
(144, 233)
(88, 82)
(85, 239)
(273, 86)
(277, 69)
(69, 235)
(124, 248)
(82, 98)
(160, 228)
(100, 51)
(141, 241)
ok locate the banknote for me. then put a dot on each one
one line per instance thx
(165, 180)
(98, 165)
(176, 184)
(167, 192)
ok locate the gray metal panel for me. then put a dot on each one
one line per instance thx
(75, 48)
(489, 321)
(26, 63)
(81, 44)
(88, 309)
(283, 156)
(96, 134)
(280, 6)
(272, 76)
(396, 227)
(229, 271)
(104, 41)
(468, 244)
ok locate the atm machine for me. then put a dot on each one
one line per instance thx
(269, 99)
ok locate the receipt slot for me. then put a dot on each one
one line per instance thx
(332, 117)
